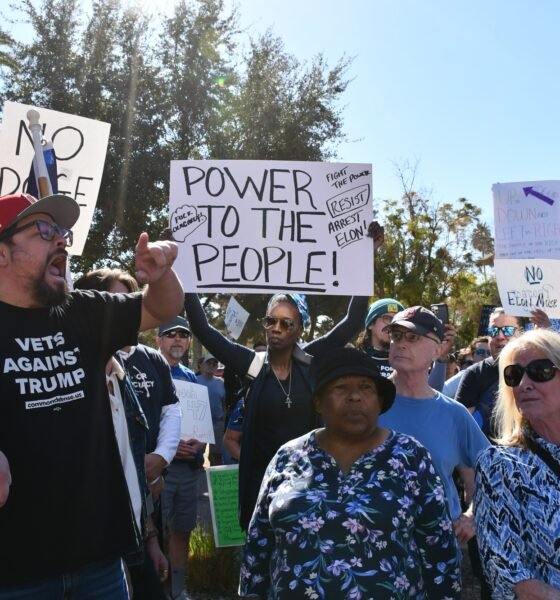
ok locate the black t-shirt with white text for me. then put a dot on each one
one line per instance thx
(68, 502)
(151, 377)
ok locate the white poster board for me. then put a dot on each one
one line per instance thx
(527, 219)
(527, 246)
(528, 284)
(196, 420)
(236, 317)
(269, 226)
(80, 146)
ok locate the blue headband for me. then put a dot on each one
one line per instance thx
(301, 304)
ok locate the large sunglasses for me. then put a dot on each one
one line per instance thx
(539, 370)
(482, 352)
(177, 333)
(284, 323)
(47, 231)
(507, 330)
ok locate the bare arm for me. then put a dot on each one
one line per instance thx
(464, 525)
(5, 479)
(533, 589)
(163, 298)
(232, 442)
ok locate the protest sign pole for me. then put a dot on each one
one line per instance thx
(43, 181)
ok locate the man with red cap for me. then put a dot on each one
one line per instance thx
(67, 519)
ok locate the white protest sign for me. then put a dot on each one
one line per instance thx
(527, 219)
(80, 146)
(528, 284)
(527, 246)
(261, 226)
(196, 421)
(236, 317)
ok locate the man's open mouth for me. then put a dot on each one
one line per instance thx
(57, 265)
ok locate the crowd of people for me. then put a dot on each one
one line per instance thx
(364, 463)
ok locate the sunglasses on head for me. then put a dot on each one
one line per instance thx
(539, 370)
(507, 330)
(177, 333)
(482, 352)
(284, 323)
(47, 231)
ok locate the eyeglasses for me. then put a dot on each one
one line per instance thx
(482, 352)
(396, 336)
(177, 333)
(284, 323)
(539, 370)
(47, 231)
(387, 319)
(507, 330)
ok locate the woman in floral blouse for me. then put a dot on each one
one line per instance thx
(351, 510)
(517, 492)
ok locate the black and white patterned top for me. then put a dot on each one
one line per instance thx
(517, 512)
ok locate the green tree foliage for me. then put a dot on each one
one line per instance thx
(281, 109)
(433, 252)
(171, 89)
(174, 88)
(6, 60)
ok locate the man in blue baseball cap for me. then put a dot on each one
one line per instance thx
(374, 340)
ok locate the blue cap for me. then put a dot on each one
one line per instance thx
(178, 323)
(382, 307)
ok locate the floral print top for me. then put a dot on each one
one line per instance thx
(382, 531)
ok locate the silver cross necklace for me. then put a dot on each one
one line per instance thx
(288, 400)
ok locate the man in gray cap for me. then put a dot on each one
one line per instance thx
(179, 498)
(442, 425)
(56, 430)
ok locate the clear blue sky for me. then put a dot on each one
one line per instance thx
(470, 89)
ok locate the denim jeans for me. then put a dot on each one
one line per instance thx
(103, 580)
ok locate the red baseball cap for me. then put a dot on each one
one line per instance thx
(63, 209)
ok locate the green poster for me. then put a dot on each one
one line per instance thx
(223, 485)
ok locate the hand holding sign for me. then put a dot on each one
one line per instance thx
(377, 233)
(540, 319)
(153, 259)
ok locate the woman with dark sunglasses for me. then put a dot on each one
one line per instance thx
(517, 492)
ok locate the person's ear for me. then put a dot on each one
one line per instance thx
(438, 350)
(5, 254)
(317, 404)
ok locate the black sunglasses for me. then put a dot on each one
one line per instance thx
(284, 323)
(539, 370)
(174, 333)
(47, 231)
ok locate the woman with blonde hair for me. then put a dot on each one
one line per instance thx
(517, 492)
